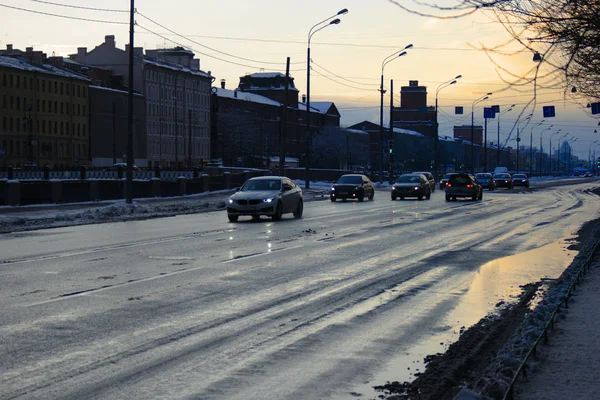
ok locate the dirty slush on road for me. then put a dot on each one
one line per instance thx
(465, 362)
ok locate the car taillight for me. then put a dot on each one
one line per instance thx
(447, 184)
(469, 185)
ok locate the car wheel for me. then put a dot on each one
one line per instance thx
(448, 198)
(372, 196)
(480, 196)
(299, 210)
(278, 212)
(333, 199)
(420, 198)
(393, 198)
(474, 197)
(401, 198)
(232, 218)
(256, 217)
(361, 196)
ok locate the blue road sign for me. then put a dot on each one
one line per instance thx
(458, 110)
(488, 112)
(595, 108)
(549, 112)
(496, 109)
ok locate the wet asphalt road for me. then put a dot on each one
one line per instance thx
(197, 307)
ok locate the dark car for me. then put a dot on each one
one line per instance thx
(588, 175)
(444, 180)
(463, 185)
(430, 179)
(411, 185)
(272, 196)
(520, 180)
(503, 180)
(486, 181)
(352, 186)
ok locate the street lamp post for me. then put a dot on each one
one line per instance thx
(531, 148)
(498, 144)
(541, 149)
(479, 100)
(436, 142)
(519, 138)
(386, 60)
(311, 32)
(550, 151)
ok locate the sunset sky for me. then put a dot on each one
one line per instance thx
(235, 37)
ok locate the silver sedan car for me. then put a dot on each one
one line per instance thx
(272, 196)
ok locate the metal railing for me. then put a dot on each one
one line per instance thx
(509, 395)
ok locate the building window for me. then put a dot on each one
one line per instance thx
(18, 82)
(11, 81)
(18, 103)
(4, 123)
(55, 87)
(61, 107)
(67, 128)
(11, 102)
(55, 107)
(43, 126)
(56, 127)
(78, 91)
(10, 125)
(43, 85)
(49, 86)
(18, 125)
(61, 88)
(61, 129)
(44, 106)
(83, 110)
(4, 102)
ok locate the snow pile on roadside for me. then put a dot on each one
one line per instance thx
(497, 377)
(119, 211)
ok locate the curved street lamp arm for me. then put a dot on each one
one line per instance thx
(341, 12)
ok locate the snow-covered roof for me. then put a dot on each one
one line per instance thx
(246, 96)
(176, 67)
(302, 107)
(114, 90)
(267, 75)
(407, 132)
(21, 64)
(322, 106)
(357, 131)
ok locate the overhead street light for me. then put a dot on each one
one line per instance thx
(498, 144)
(395, 55)
(436, 139)
(319, 26)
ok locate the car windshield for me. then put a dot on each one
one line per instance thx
(446, 176)
(355, 180)
(409, 179)
(482, 176)
(502, 176)
(262, 184)
(460, 179)
(521, 176)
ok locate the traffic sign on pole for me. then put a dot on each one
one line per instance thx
(549, 112)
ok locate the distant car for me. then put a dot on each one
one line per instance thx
(520, 180)
(444, 180)
(430, 178)
(463, 185)
(411, 185)
(272, 196)
(588, 175)
(503, 180)
(352, 186)
(121, 166)
(486, 181)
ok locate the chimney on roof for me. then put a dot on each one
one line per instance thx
(222, 83)
(81, 54)
(304, 98)
(29, 49)
(110, 40)
(413, 83)
(9, 47)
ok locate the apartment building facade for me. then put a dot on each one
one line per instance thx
(44, 112)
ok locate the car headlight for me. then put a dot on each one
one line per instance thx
(269, 200)
(333, 189)
(417, 188)
(393, 187)
(230, 201)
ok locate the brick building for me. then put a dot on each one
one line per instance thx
(44, 112)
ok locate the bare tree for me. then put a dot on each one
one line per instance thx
(562, 34)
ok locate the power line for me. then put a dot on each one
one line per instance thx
(343, 84)
(210, 48)
(204, 54)
(64, 16)
(340, 77)
(79, 7)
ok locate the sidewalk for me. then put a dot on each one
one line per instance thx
(568, 367)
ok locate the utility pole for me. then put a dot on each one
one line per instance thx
(114, 132)
(189, 138)
(283, 126)
(129, 174)
(391, 138)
